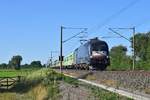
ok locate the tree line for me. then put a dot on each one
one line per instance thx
(121, 61)
(15, 63)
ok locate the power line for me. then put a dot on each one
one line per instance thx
(119, 34)
(132, 41)
(74, 28)
(111, 37)
(113, 16)
(75, 35)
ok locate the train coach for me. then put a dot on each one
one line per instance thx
(94, 54)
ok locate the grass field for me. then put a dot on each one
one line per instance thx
(15, 73)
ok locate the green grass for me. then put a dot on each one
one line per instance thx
(15, 73)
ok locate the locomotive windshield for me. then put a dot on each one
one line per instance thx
(99, 47)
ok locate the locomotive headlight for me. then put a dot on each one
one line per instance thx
(91, 57)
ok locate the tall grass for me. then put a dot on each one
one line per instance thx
(38, 85)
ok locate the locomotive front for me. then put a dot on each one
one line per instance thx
(99, 58)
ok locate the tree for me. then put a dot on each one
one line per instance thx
(10, 65)
(36, 64)
(25, 66)
(148, 48)
(141, 45)
(142, 50)
(3, 66)
(119, 59)
(16, 62)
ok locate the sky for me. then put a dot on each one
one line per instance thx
(31, 28)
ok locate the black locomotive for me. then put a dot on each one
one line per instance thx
(93, 54)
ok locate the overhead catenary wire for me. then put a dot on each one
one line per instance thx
(106, 21)
(75, 35)
(119, 34)
(111, 37)
(74, 28)
(114, 15)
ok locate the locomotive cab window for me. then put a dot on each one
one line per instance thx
(99, 47)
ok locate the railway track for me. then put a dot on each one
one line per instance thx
(133, 84)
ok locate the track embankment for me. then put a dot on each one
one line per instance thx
(133, 84)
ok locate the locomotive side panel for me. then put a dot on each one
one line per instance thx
(82, 55)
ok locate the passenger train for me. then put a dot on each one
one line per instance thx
(94, 54)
